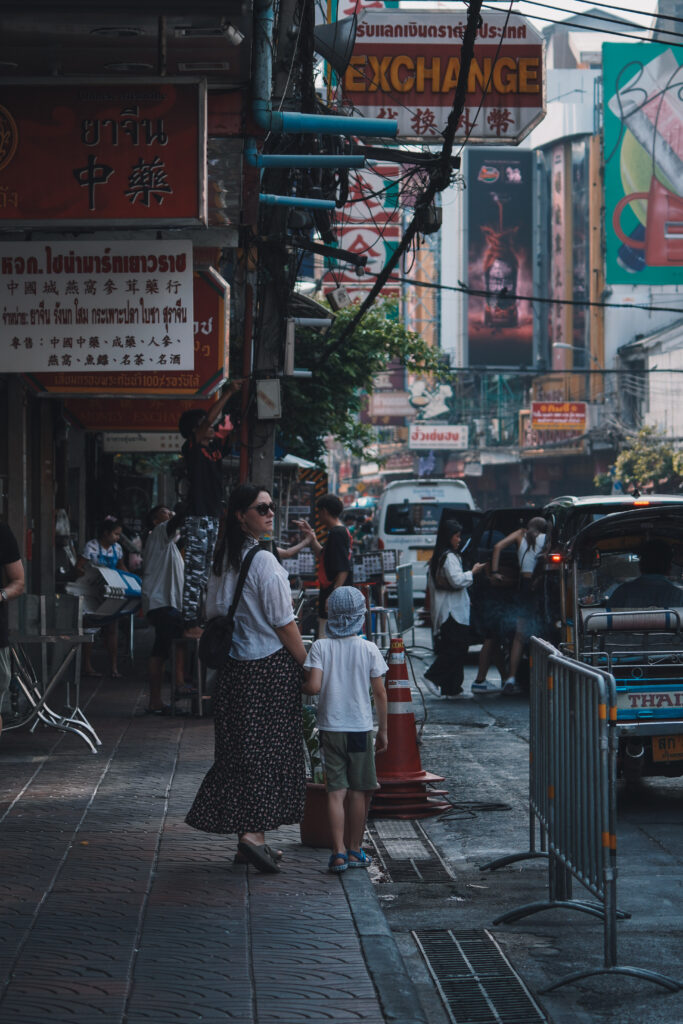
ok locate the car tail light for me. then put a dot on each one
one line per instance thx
(380, 544)
(642, 502)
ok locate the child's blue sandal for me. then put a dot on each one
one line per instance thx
(334, 868)
(358, 859)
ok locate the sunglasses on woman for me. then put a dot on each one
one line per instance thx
(264, 508)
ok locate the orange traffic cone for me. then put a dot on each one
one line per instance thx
(403, 792)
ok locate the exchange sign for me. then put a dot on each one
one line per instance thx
(405, 67)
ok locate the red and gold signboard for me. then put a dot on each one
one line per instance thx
(86, 154)
(211, 349)
(558, 416)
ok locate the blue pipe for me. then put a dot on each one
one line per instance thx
(311, 204)
(287, 121)
(256, 159)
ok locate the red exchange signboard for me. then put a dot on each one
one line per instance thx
(90, 153)
(211, 348)
(405, 67)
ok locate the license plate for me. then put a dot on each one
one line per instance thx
(424, 554)
(667, 748)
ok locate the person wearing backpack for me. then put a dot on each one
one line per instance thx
(531, 546)
(447, 584)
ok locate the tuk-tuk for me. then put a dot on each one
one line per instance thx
(619, 614)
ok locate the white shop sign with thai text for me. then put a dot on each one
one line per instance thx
(96, 306)
(439, 435)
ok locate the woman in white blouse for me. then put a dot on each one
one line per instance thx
(448, 584)
(257, 781)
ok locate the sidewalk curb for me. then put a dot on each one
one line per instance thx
(397, 994)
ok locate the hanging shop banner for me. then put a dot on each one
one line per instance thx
(560, 314)
(136, 441)
(643, 89)
(130, 152)
(371, 227)
(96, 306)
(405, 67)
(499, 257)
(437, 435)
(210, 327)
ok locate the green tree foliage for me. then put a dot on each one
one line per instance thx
(329, 403)
(649, 462)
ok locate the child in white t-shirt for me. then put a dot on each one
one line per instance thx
(342, 669)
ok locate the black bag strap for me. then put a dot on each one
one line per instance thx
(244, 569)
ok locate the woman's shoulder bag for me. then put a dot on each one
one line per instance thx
(441, 580)
(216, 640)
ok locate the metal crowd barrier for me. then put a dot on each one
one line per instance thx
(572, 796)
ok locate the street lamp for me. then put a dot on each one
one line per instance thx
(564, 346)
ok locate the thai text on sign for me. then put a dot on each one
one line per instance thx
(128, 152)
(558, 415)
(441, 435)
(405, 68)
(96, 306)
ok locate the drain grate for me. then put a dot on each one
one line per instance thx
(406, 853)
(476, 982)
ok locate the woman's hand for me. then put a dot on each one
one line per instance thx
(304, 527)
(478, 567)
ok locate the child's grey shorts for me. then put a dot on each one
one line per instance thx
(348, 768)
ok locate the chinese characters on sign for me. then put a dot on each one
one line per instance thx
(96, 306)
(211, 299)
(405, 68)
(129, 152)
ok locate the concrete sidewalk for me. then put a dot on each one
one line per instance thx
(114, 910)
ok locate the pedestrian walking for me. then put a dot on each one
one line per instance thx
(447, 584)
(531, 544)
(257, 781)
(162, 599)
(343, 668)
(11, 587)
(335, 568)
(104, 550)
(203, 452)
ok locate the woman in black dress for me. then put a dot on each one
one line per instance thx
(257, 781)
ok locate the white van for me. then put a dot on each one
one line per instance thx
(407, 520)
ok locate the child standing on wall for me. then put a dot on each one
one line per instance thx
(343, 669)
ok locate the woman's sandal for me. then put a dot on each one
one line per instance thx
(259, 856)
(239, 858)
(336, 869)
(358, 859)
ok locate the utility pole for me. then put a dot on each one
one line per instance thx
(274, 272)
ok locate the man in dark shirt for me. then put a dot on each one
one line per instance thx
(651, 589)
(334, 556)
(11, 585)
(203, 453)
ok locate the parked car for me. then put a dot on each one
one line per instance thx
(641, 647)
(407, 521)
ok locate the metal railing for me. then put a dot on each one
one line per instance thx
(572, 795)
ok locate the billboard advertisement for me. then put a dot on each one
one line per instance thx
(405, 67)
(133, 153)
(499, 258)
(643, 89)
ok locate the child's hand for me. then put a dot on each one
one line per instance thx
(381, 741)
